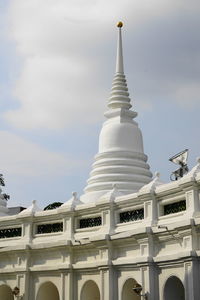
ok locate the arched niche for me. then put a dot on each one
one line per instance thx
(90, 291)
(127, 290)
(48, 291)
(6, 292)
(174, 289)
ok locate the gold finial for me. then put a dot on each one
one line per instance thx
(120, 24)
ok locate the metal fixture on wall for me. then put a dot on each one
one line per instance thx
(137, 289)
(181, 160)
(16, 292)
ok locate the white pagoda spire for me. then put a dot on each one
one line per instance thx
(119, 97)
(119, 61)
(121, 159)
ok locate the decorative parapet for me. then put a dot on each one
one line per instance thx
(31, 210)
(155, 203)
(110, 196)
(150, 188)
(189, 184)
(71, 203)
(3, 198)
(192, 175)
(147, 194)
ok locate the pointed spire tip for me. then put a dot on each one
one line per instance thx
(119, 60)
(120, 24)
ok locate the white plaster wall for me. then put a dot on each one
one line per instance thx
(39, 279)
(167, 272)
(108, 255)
(82, 278)
(124, 275)
(9, 281)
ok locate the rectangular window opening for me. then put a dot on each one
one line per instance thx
(90, 222)
(49, 228)
(131, 215)
(175, 207)
(10, 232)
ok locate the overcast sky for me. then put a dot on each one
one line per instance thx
(57, 61)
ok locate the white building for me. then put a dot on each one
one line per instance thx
(126, 228)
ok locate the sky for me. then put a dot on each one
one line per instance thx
(57, 61)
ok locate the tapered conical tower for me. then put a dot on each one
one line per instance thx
(121, 159)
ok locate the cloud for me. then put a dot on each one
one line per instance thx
(65, 56)
(51, 96)
(68, 51)
(189, 95)
(24, 158)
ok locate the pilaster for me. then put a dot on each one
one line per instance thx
(108, 290)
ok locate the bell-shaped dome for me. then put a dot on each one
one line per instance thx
(121, 159)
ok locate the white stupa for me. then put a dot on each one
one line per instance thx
(121, 159)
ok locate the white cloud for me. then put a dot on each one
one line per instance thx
(68, 52)
(24, 158)
(189, 95)
(52, 96)
(63, 75)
